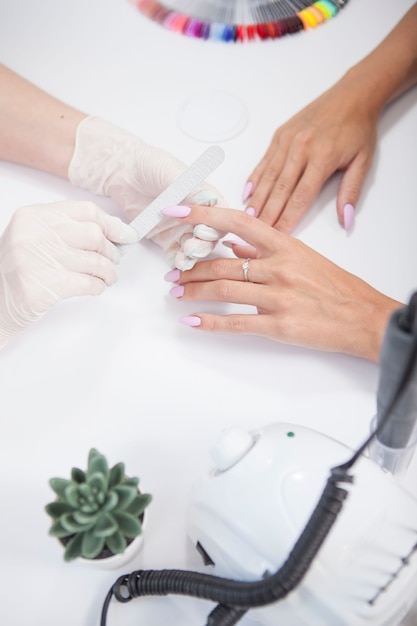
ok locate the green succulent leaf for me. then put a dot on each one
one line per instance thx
(132, 481)
(125, 496)
(59, 485)
(84, 491)
(105, 525)
(97, 463)
(91, 545)
(129, 525)
(72, 525)
(77, 475)
(92, 454)
(57, 508)
(72, 494)
(139, 504)
(111, 502)
(89, 509)
(57, 530)
(73, 548)
(116, 542)
(117, 473)
(85, 518)
(97, 483)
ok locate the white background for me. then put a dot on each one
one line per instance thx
(119, 372)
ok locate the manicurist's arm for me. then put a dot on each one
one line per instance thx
(36, 129)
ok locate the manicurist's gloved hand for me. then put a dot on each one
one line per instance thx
(49, 252)
(112, 162)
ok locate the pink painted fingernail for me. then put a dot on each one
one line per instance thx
(177, 291)
(191, 320)
(177, 211)
(236, 241)
(348, 216)
(172, 276)
(250, 211)
(247, 190)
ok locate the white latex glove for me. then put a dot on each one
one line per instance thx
(49, 252)
(111, 162)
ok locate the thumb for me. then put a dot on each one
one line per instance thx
(350, 191)
(117, 231)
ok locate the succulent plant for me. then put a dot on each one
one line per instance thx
(97, 509)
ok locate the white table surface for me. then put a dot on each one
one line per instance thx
(119, 372)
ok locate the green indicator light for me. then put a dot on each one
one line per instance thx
(290, 433)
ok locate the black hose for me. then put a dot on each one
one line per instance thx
(225, 615)
(240, 596)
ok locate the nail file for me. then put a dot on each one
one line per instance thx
(182, 186)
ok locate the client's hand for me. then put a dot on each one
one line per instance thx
(337, 131)
(301, 297)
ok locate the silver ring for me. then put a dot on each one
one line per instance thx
(245, 269)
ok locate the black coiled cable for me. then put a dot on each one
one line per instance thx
(235, 598)
(225, 615)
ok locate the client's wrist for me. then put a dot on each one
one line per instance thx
(375, 318)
